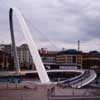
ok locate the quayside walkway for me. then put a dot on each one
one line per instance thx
(75, 98)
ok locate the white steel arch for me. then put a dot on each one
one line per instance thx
(33, 48)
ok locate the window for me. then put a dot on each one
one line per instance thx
(74, 59)
(69, 59)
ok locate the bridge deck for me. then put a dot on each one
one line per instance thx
(13, 73)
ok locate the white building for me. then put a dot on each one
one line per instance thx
(25, 58)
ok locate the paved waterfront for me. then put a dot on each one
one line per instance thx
(24, 94)
(75, 98)
(40, 93)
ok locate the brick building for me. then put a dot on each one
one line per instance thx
(91, 60)
(48, 58)
(65, 59)
(6, 61)
(69, 58)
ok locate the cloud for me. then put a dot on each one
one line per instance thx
(60, 21)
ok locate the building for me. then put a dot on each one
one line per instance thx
(6, 61)
(69, 59)
(65, 59)
(48, 58)
(91, 60)
(6, 48)
(25, 58)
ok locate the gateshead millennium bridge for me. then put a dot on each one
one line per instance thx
(83, 79)
(44, 83)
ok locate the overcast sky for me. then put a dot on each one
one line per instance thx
(55, 24)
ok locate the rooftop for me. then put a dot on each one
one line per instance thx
(70, 51)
